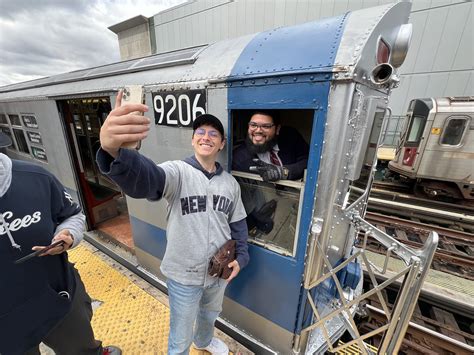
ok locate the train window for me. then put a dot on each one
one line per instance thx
(6, 130)
(417, 125)
(272, 207)
(454, 130)
(15, 120)
(21, 140)
(3, 119)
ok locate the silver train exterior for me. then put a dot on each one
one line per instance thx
(331, 79)
(436, 152)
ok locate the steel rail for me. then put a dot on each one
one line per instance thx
(452, 344)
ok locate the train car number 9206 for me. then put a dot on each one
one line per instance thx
(178, 108)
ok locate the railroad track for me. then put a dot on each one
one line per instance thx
(444, 216)
(455, 254)
(432, 330)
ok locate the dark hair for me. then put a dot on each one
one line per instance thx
(274, 114)
(209, 120)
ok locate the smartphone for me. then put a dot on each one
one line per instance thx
(39, 252)
(133, 94)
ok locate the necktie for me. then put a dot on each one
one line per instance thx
(274, 158)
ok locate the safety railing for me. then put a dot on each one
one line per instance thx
(417, 263)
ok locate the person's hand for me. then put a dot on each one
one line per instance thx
(63, 235)
(234, 265)
(268, 172)
(124, 124)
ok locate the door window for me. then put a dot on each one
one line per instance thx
(273, 208)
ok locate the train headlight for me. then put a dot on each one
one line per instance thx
(401, 45)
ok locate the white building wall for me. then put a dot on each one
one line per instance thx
(439, 63)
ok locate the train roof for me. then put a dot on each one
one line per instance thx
(342, 44)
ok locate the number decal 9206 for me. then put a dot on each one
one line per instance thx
(178, 108)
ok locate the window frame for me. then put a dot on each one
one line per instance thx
(466, 118)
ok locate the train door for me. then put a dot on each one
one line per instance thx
(278, 220)
(412, 144)
(104, 205)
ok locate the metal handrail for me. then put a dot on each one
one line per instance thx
(398, 319)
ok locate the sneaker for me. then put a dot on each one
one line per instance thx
(216, 347)
(111, 350)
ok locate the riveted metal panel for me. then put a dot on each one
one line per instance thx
(356, 54)
(303, 48)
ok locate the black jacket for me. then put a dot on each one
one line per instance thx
(30, 306)
(293, 153)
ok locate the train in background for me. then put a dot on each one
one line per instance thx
(435, 155)
(329, 79)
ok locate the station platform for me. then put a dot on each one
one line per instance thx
(386, 153)
(128, 311)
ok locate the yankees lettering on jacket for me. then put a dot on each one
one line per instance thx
(14, 224)
(195, 204)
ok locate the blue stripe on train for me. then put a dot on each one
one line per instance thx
(305, 54)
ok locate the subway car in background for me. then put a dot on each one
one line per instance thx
(330, 80)
(436, 152)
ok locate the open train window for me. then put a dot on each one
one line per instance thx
(454, 129)
(273, 208)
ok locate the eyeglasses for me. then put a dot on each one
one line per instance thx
(264, 126)
(201, 132)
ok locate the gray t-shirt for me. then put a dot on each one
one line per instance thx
(199, 213)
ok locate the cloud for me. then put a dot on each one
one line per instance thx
(48, 37)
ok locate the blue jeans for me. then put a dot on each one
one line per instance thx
(190, 305)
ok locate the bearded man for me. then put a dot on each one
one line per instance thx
(270, 150)
(275, 153)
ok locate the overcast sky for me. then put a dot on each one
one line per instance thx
(46, 37)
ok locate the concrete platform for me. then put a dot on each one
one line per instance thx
(128, 311)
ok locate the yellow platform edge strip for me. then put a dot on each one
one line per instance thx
(128, 316)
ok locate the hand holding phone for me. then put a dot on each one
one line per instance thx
(133, 94)
(39, 252)
(124, 127)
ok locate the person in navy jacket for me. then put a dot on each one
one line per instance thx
(273, 151)
(42, 299)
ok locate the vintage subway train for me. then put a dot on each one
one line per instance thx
(329, 79)
(436, 149)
